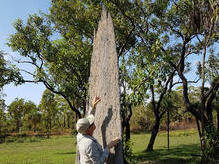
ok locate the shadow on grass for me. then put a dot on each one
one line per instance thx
(65, 153)
(182, 154)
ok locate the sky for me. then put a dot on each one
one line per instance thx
(10, 10)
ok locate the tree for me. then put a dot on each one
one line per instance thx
(48, 108)
(16, 111)
(33, 42)
(174, 19)
(64, 112)
(193, 24)
(2, 119)
(63, 64)
(31, 116)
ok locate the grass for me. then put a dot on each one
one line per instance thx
(61, 149)
(184, 148)
(57, 149)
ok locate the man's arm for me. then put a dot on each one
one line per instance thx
(97, 155)
(92, 108)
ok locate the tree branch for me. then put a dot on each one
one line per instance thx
(214, 86)
(127, 38)
(165, 89)
(180, 82)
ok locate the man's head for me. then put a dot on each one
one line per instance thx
(86, 125)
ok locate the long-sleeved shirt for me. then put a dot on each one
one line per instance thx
(91, 152)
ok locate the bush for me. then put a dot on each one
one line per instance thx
(10, 139)
(128, 153)
(142, 119)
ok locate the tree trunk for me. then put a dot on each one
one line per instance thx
(17, 125)
(54, 122)
(168, 129)
(153, 135)
(68, 121)
(199, 130)
(50, 123)
(217, 121)
(126, 120)
(127, 131)
(64, 121)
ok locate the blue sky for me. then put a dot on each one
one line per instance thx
(10, 10)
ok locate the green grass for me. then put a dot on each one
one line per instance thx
(57, 149)
(61, 149)
(184, 148)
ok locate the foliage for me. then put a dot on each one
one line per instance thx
(48, 108)
(8, 72)
(212, 142)
(3, 125)
(128, 152)
(21, 116)
(193, 25)
(62, 64)
(142, 119)
(16, 111)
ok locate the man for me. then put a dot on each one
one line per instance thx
(90, 151)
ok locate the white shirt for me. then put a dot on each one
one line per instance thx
(91, 152)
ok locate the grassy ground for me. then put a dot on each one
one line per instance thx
(61, 149)
(57, 150)
(184, 148)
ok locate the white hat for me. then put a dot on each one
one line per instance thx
(84, 123)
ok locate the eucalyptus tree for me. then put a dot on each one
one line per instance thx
(58, 46)
(16, 112)
(152, 78)
(193, 25)
(2, 118)
(30, 116)
(48, 108)
(34, 119)
(174, 31)
(63, 112)
(45, 57)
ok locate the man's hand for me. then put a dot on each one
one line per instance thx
(113, 143)
(95, 101)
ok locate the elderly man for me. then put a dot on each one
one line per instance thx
(90, 151)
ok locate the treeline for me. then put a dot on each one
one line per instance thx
(51, 116)
(143, 118)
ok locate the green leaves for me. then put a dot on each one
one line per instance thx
(8, 72)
